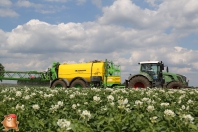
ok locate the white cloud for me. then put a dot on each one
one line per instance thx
(81, 2)
(12, 66)
(182, 56)
(182, 71)
(5, 3)
(57, 0)
(126, 12)
(27, 4)
(191, 6)
(151, 2)
(8, 13)
(98, 3)
(94, 38)
(168, 14)
(41, 8)
(195, 65)
(2, 37)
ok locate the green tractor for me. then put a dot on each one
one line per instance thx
(151, 75)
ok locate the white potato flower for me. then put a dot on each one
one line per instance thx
(154, 119)
(35, 107)
(168, 112)
(18, 107)
(110, 98)
(123, 102)
(63, 123)
(18, 93)
(190, 102)
(86, 114)
(138, 102)
(60, 103)
(47, 95)
(187, 108)
(146, 100)
(112, 103)
(72, 96)
(164, 104)
(33, 94)
(26, 97)
(96, 98)
(188, 118)
(74, 106)
(183, 107)
(128, 110)
(54, 91)
(150, 108)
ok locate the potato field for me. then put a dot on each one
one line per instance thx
(42, 109)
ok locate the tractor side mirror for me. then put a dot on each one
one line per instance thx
(167, 69)
(162, 66)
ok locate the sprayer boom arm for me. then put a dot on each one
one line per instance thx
(23, 75)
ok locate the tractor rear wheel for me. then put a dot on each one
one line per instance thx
(78, 84)
(59, 84)
(139, 82)
(175, 85)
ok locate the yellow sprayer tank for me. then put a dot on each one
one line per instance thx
(85, 70)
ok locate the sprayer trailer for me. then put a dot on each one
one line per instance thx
(80, 75)
(94, 74)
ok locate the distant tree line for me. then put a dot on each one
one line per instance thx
(1, 71)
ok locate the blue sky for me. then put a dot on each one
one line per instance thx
(34, 33)
(53, 12)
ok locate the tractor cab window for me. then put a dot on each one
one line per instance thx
(151, 69)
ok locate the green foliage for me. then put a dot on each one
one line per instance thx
(1, 67)
(101, 110)
(1, 71)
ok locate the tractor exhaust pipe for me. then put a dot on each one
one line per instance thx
(126, 83)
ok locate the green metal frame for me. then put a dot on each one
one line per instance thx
(111, 69)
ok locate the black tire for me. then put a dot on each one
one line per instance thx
(78, 84)
(59, 83)
(175, 85)
(139, 82)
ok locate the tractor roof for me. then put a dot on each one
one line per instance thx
(143, 62)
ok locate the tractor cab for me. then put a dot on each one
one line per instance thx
(152, 68)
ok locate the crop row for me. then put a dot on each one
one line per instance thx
(97, 110)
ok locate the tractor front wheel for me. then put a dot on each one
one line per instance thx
(139, 82)
(175, 85)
